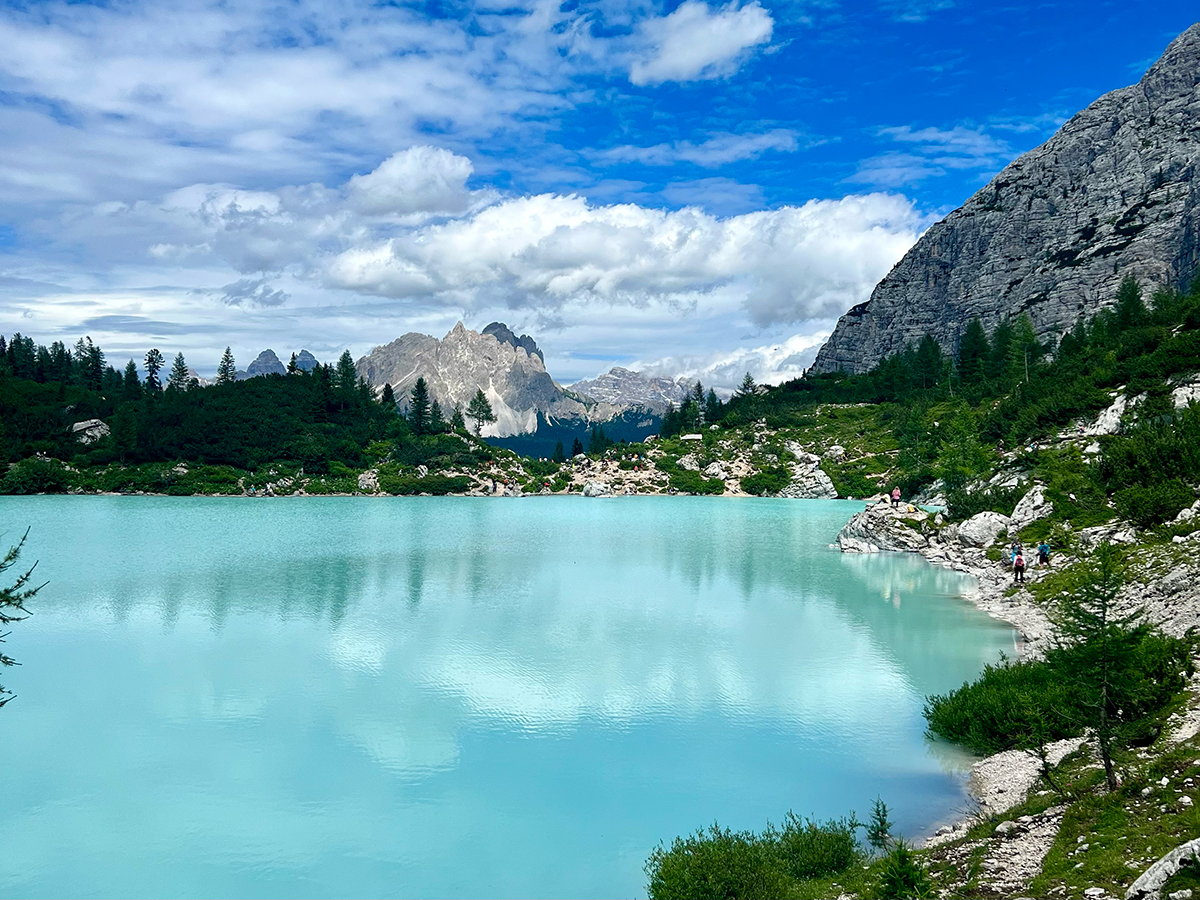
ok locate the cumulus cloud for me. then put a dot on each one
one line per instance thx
(718, 150)
(429, 180)
(696, 42)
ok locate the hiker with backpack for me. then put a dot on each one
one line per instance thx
(1019, 568)
(1043, 554)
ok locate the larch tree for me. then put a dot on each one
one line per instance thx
(13, 598)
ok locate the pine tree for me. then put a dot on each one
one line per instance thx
(418, 407)
(124, 430)
(154, 363)
(480, 411)
(132, 388)
(388, 397)
(576, 447)
(456, 420)
(178, 379)
(293, 367)
(927, 364)
(226, 368)
(559, 454)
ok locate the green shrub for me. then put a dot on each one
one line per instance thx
(1018, 704)
(694, 483)
(716, 864)
(35, 476)
(902, 875)
(768, 481)
(1152, 504)
(851, 479)
(810, 849)
(962, 503)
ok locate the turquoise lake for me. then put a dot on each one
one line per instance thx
(446, 697)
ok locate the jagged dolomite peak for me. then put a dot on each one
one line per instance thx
(514, 380)
(623, 387)
(1113, 193)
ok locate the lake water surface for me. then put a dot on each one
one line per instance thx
(439, 697)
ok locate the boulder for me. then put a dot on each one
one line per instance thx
(982, 529)
(90, 430)
(368, 482)
(689, 463)
(715, 470)
(1149, 884)
(1032, 507)
(595, 489)
(836, 452)
(880, 529)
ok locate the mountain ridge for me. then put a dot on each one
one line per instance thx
(1113, 193)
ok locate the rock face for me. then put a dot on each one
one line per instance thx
(90, 430)
(1030, 508)
(266, 363)
(1113, 193)
(504, 335)
(305, 361)
(623, 387)
(464, 361)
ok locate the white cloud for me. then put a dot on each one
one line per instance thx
(696, 43)
(718, 150)
(417, 180)
(931, 152)
(725, 369)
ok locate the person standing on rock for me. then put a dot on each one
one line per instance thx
(1043, 554)
(895, 497)
(1019, 568)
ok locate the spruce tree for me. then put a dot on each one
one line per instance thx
(388, 397)
(559, 454)
(480, 410)
(154, 363)
(437, 421)
(131, 388)
(747, 388)
(456, 420)
(178, 379)
(293, 367)
(576, 447)
(226, 368)
(418, 407)
(712, 407)
(1130, 310)
(347, 375)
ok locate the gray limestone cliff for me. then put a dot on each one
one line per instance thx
(1113, 193)
(266, 363)
(504, 335)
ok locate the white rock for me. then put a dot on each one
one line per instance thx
(689, 463)
(368, 482)
(1032, 507)
(595, 489)
(982, 529)
(1094, 892)
(90, 430)
(715, 470)
(837, 451)
(1185, 894)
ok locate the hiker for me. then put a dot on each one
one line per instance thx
(1043, 554)
(895, 497)
(1019, 569)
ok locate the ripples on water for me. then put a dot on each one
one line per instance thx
(451, 697)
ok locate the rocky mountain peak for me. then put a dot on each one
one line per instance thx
(1114, 193)
(266, 363)
(504, 335)
(624, 387)
(305, 361)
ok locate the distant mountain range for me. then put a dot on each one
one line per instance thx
(511, 371)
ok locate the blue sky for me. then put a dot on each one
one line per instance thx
(697, 188)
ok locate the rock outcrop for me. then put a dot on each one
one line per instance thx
(504, 335)
(880, 528)
(982, 529)
(808, 481)
(1113, 193)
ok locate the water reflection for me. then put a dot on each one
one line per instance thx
(545, 687)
